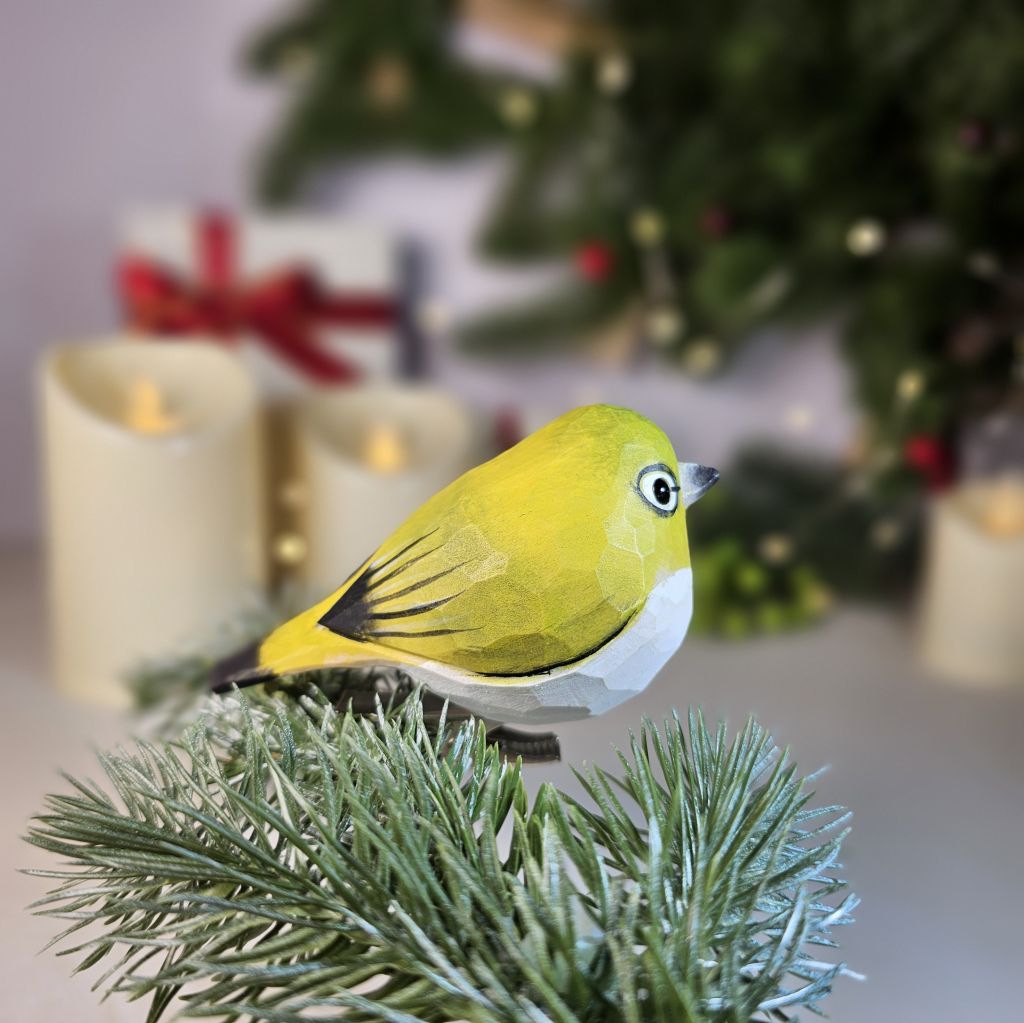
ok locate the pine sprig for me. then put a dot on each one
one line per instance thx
(285, 862)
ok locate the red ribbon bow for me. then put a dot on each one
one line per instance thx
(282, 309)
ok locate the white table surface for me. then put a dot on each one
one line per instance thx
(935, 776)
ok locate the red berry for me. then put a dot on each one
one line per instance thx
(715, 222)
(932, 458)
(974, 135)
(594, 261)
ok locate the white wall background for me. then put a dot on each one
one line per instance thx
(109, 103)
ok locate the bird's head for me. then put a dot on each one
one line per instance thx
(615, 492)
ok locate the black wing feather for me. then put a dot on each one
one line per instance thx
(354, 614)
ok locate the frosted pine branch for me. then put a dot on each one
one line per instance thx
(285, 862)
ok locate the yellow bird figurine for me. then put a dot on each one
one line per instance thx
(550, 583)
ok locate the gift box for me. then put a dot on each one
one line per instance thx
(306, 300)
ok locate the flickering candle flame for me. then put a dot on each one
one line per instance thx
(147, 410)
(385, 451)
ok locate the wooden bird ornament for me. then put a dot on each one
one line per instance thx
(550, 583)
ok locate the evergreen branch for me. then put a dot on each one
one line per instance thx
(174, 684)
(285, 862)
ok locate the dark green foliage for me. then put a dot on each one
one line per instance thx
(832, 531)
(372, 75)
(761, 133)
(286, 863)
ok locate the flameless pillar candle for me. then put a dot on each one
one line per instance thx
(971, 618)
(154, 503)
(372, 455)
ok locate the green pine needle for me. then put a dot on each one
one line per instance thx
(285, 862)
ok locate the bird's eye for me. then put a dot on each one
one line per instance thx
(658, 487)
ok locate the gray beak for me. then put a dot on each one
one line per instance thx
(695, 480)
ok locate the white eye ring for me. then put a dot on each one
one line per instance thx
(658, 487)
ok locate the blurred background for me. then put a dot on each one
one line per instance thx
(274, 273)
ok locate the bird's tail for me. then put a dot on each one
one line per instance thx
(241, 668)
(297, 646)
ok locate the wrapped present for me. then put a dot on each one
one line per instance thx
(307, 300)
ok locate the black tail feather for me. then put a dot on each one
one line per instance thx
(240, 668)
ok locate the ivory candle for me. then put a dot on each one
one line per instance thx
(970, 615)
(372, 455)
(154, 503)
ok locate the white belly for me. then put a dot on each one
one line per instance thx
(620, 669)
